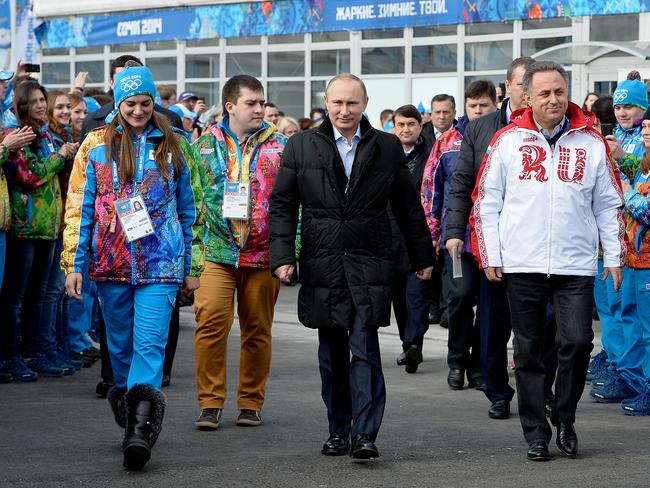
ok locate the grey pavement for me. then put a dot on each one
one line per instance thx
(56, 433)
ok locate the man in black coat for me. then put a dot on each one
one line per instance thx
(343, 174)
(98, 117)
(493, 306)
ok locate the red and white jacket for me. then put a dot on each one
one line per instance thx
(538, 210)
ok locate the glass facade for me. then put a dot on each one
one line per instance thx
(416, 63)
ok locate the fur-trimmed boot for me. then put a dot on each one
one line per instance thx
(145, 411)
(116, 400)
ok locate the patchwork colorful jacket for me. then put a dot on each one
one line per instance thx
(637, 222)
(34, 190)
(437, 179)
(5, 206)
(632, 143)
(242, 243)
(93, 231)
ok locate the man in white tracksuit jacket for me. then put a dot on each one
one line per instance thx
(546, 194)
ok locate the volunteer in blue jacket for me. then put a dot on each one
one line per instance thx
(138, 258)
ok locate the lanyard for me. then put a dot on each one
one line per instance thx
(220, 157)
(139, 175)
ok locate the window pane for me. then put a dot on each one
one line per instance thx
(532, 46)
(435, 31)
(317, 93)
(242, 41)
(289, 96)
(382, 34)
(614, 27)
(330, 36)
(160, 45)
(56, 73)
(133, 47)
(488, 28)
(287, 64)
(434, 59)
(551, 23)
(95, 70)
(295, 38)
(243, 63)
(89, 50)
(202, 42)
(605, 87)
(382, 60)
(202, 66)
(330, 62)
(207, 91)
(55, 51)
(162, 68)
(488, 55)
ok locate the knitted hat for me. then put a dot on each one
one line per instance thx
(132, 81)
(631, 92)
(182, 111)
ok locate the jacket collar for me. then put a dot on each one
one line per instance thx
(257, 136)
(578, 119)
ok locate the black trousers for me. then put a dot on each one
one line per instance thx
(411, 301)
(464, 350)
(170, 347)
(353, 388)
(528, 296)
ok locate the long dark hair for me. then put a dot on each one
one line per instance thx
(170, 144)
(22, 92)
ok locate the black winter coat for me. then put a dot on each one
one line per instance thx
(345, 260)
(476, 139)
(415, 162)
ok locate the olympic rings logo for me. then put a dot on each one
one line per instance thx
(620, 96)
(130, 84)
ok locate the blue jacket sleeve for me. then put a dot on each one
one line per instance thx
(438, 189)
(636, 206)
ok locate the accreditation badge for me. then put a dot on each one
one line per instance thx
(235, 200)
(134, 218)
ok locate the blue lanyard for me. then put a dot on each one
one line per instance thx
(139, 175)
(222, 162)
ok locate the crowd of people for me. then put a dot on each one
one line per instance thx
(517, 216)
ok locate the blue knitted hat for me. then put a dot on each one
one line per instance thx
(631, 92)
(131, 81)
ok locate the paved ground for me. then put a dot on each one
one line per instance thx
(56, 433)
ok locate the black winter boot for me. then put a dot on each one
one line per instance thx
(115, 398)
(145, 411)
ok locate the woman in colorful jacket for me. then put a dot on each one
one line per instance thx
(631, 384)
(58, 120)
(36, 210)
(134, 211)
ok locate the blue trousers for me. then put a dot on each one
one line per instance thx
(23, 292)
(494, 317)
(608, 304)
(634, 364)
(52, 335)
(3, 255)
(137, 325)
(81, 314)
(353, 390)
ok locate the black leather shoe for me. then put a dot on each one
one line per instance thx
(538, 451)
(401, 359)
(102, 388)
(567, 440)
(456, 379)
(363, 448)
(476, 381)
(337, 445)
(413, 359)
(499, 410)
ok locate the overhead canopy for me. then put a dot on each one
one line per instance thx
(588, 51)
(62, 8)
